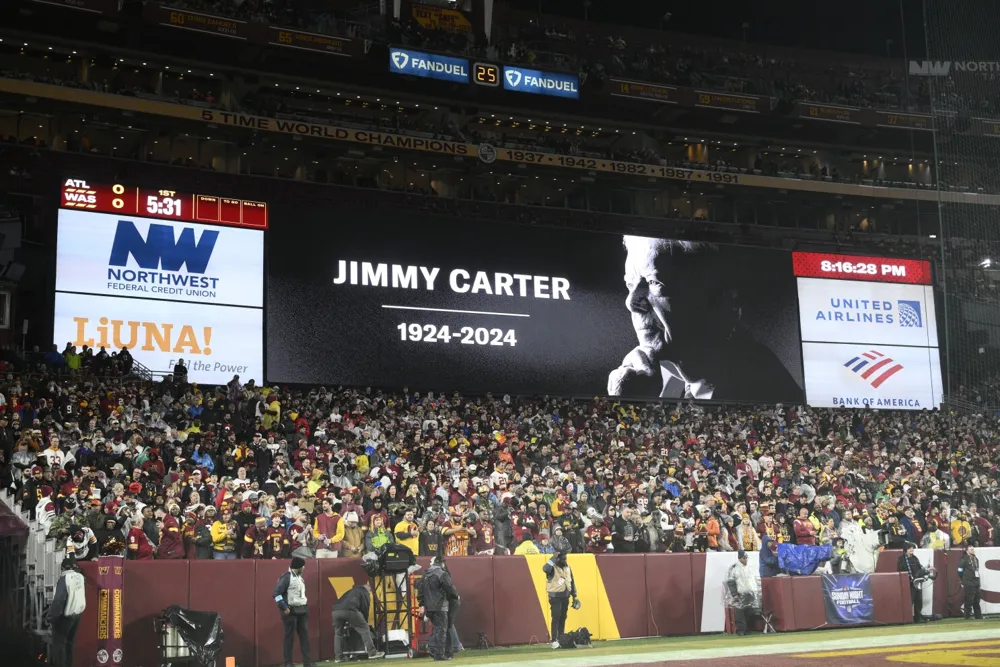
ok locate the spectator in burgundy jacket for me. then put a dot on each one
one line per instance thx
(171, 539)
(805, 531)
(328, 529)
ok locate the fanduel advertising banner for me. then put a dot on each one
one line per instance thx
(428, 65)
(855, 375)
(534, 81)
(431, 304)
(100, 253)
(215, 342)
(842, 311)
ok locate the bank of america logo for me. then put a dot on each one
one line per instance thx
(909, 314)
(874, 367)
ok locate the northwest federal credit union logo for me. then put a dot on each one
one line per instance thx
(167, 264)
(873, 367)
(904, 313)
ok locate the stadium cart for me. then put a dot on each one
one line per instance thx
(188, 637)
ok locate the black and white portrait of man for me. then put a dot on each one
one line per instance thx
(688, 306)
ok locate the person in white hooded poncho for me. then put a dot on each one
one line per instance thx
(742, 591)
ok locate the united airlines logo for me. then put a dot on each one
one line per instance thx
(513, 77)
(400, 59)
(160, 258)
(874, 367)
(906, 313)
(909, 314)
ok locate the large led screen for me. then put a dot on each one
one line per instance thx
(859, 312)
(166, 289)
(116, 255)
(215, 343)
(882, 376)
(473, 306)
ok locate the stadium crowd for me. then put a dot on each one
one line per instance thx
(175, 470)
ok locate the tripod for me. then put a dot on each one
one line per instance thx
(484, 643)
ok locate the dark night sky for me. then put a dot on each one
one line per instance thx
(840, 25)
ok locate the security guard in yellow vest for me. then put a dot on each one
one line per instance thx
(560, 586)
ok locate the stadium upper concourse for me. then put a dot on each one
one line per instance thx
(533, 205)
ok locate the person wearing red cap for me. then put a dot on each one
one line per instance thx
(171, 539)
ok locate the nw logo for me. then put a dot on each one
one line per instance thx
(159, 250)
(400, 59)
(930, 68)
(513, 78)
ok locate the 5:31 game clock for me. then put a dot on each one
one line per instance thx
(486, 74)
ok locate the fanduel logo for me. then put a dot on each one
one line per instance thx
(400, 59)
(873, 367)
(160, 258)
(945, 67)
(513, 77)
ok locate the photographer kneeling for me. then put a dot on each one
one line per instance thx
(560, 586)
(352, 610)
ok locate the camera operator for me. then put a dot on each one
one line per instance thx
(560, 586)
(435, 595)
(968, 570)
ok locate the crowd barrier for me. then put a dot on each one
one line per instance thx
(623, 595)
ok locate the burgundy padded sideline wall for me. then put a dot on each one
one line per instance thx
(227, 587)
(670, 601)
(473, 577)
(150, 586)
(624, 577)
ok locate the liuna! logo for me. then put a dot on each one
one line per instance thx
(874, 367)
(513, 77)
(400, 59)
(159, 250)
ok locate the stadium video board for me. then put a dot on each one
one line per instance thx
(491, 307)
(869, 332)
(134, 269)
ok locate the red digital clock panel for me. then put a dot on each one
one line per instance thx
(82, 195)
(860, 267)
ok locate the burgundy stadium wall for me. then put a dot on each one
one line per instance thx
(647, 595)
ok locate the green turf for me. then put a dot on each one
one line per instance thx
(654, 644)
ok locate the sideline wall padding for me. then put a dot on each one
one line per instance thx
(670, 589)
(227, 587)
(776, 594)
(520, 619)
(474, 577)
(627, 595)
(149, 588)
(624, 579)
(807, 596)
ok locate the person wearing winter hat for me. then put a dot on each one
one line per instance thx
(290, 595)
